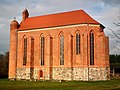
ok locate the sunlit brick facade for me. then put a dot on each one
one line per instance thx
(63, 46)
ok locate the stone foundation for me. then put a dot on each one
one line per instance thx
(60, 73)
(31, 73)
(45, 74)
(99, 74)
(84, 74)
(80, 74)
(23, 73)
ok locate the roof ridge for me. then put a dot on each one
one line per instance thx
(57, 13)
(58, 19)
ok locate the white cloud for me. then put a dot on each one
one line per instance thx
(103, 11)
(110, 15)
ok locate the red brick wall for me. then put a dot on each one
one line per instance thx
(81, 60)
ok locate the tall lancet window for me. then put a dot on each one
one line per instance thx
(61, 49)
(91, 48)
(25, 52)
(77, 43)
(42, 49)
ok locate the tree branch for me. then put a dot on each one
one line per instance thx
(114, 33)
(117, 24)
(117, 48)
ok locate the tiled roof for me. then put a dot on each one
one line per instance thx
(59, 19)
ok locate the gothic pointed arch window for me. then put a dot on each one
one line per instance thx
(61, 49)
(24, 51)
(42, 49)
(77, 43)
(91, 48)
(32, 52)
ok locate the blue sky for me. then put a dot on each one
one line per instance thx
(104, 11)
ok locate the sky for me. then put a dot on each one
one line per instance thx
(104, 11)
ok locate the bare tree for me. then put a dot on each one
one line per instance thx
(115, 34)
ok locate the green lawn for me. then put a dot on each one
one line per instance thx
(47, 85)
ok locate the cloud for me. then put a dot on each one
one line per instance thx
(103, 11)
(111, 2)
(108, 16)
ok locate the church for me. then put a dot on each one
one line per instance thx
(61, 46)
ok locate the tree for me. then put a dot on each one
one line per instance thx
(115, 61)
(1, 65)
(116, 33)
(4, 60)
(115, 64)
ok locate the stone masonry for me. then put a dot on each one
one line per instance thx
(83, 74)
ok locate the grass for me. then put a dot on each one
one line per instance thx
(47, 85)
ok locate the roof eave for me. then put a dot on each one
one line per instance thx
(102, 26)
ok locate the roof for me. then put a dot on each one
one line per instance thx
(14, 22)
(58, 19)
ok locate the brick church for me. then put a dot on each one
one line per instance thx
(62, 46)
